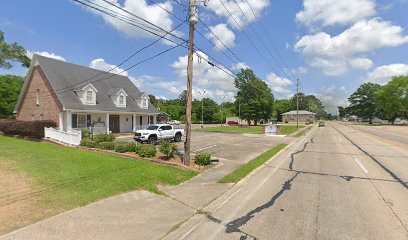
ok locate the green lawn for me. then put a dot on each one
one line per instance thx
(70, 177)
(244, 170)
(285, 129)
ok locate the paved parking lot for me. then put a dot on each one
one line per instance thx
(235, 147)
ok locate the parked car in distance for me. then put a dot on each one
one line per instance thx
(173, 122)
(158, 132)
(322, 124)
(232, 123)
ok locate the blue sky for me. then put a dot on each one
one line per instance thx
(331, 46)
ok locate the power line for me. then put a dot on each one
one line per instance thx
(263, 43)
(252, 43)
(266, 33)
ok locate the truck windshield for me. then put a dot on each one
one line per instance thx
(152, 128)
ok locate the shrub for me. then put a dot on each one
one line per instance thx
(202, 159)
(104, 138)
(167, 148)
(106, 145)
(123, 147)
(85, 133)
(26, 128)
(147, 150)
(87, 142)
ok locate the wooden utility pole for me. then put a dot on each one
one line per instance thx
(297, 103)
(193, 16)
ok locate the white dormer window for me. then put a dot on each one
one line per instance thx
(87, 94)
(89, 97)
(121, 100)
(145, 102)
(118, 96)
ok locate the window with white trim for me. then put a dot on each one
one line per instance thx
(144, 102)
(37, 97)
(121, 100)
(81, 121)
(89, 96)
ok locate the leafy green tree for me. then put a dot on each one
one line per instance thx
(255, 96)
(342, 111)
(281, 106)
(363, 102)
(392, 99)
(12, 52)
(10, 87)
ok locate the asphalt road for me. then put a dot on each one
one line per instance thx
(337, 183)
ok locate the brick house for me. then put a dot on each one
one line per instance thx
(78, 97)
(304, 116)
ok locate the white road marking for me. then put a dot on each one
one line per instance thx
(204, 148)
(360, 165)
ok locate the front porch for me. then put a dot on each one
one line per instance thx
(105, 122)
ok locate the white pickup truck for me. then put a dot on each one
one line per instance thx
(158, 132)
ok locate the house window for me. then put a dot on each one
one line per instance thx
(121, 100)
(81, 122)
(37, 97)
(89, 97)
(144, 102)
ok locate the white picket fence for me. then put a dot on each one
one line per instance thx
(72, 137)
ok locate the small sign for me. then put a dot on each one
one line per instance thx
(270, 130)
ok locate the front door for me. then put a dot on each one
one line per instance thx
(114, 123)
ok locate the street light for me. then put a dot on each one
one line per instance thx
(222, 117)
(202, 107)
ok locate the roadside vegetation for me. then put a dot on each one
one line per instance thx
(243, 171)
(63, 178)
(387, 102)
(285, 129)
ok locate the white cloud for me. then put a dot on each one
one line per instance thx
(361, 63)
(278, 84)
(224, 34)
(257, 5)
(383, 74)
(239, 66)
(151, 13)
(332, 12)
(100, 64)
(296, 71)
(45, 54)
(332, 96)
(205, 75)
(332, 53)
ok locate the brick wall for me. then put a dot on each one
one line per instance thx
(48, 107)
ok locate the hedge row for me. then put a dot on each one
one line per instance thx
(144, 150)
(26, 128)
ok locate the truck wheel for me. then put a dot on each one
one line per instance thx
(177, 138)
(152, 140)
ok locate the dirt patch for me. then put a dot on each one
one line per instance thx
(18, 206)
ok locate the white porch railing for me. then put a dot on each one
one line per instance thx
(72, 137)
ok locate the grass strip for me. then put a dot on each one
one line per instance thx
(244, 170)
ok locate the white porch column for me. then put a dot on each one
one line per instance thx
(134, 122)
(61, 121)
(69, 120)
(154, 119)
(107, 123)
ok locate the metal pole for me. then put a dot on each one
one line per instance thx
(193, 20)
(297, 103)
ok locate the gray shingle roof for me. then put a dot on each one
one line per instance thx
(66, 77)
(301, 112)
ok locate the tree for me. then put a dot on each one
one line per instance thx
(10, 87)
(392, 99)
(12, 52)
(342, 111)
(363, 101)
(255, 96)
(281, 106)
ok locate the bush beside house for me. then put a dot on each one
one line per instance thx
(26, 128)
